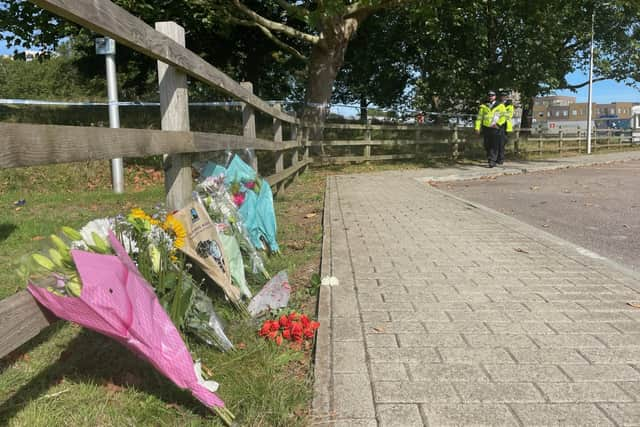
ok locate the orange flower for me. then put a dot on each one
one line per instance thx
(279, 339)
(314, 325)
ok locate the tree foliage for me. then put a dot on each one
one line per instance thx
(473, 45)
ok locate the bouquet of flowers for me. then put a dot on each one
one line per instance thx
(111, 297)
(223, 209)
(292, 327)
(157, 242)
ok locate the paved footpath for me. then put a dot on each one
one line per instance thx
(449, 313)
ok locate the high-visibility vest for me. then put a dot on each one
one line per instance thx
(490, 117)
(508, 114)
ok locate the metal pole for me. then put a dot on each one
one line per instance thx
(590, 112)
(107, 47)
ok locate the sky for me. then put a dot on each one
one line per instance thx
(603, 92)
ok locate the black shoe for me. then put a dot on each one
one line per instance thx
(492, 165)
(499, 163)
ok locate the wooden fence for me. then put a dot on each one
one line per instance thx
(21, 318)
(451, 142)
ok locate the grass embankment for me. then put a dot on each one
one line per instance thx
(72, 376)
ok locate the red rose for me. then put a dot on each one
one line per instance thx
(284, 321)
(305, 320)
(272, 335)
(293, 316)
(287, 334)
(314, 325)
(308, 332)
(274, 325)
(266, 327)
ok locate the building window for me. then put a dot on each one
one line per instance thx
(557, 113)
(548, 113)
(574, 112)
(565, 113)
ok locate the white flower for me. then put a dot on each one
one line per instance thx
(330, 281)
(100, 226)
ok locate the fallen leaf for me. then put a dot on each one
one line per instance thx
(174, 406)
(310, 215)
(37, 238)
(534, 188)
(17, 209)
(378, 329)
(634, 304)
(545, 225)
(241, 346)
(520, 250)
(626, 226)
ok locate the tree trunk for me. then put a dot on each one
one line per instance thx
(327, 57)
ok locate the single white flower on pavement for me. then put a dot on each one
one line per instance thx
(330, 281)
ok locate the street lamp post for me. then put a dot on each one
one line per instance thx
(590, 108)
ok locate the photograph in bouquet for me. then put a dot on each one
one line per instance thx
(202, 245)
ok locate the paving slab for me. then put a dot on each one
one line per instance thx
(450, 313)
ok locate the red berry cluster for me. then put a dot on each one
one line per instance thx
(292, 327)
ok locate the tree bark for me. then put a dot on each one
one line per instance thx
(327, 57)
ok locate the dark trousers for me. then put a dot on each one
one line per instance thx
(503, 142)
(492, 140)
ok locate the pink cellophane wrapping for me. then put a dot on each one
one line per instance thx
(116, 301)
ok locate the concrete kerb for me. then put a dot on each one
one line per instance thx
(582, 161)
(321, 406)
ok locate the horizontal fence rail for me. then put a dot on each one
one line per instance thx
(31, 145)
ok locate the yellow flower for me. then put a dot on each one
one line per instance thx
(139, 213)
(175, 228)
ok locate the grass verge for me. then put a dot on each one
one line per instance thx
(72, 376)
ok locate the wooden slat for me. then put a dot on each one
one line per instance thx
(347, 142)
(376, 127)
(347, 159)
(30, 145)
(104, 17)
(277, 178)
(21, 318)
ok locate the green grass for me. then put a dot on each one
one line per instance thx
(71, 376)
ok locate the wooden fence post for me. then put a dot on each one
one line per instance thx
(417, 139)
(305, 142)
(277, 137)
(174, 107)
(367, 137)
(516, 143)
(560, 144)
(249, 123)
(454, 143)
(540, 144)
(295, 158)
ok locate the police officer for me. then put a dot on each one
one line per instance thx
(491, 116)
(507, 126)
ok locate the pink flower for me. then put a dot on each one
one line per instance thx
(250, 185)
(238, 199)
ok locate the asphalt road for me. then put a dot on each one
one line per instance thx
(596, 207)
